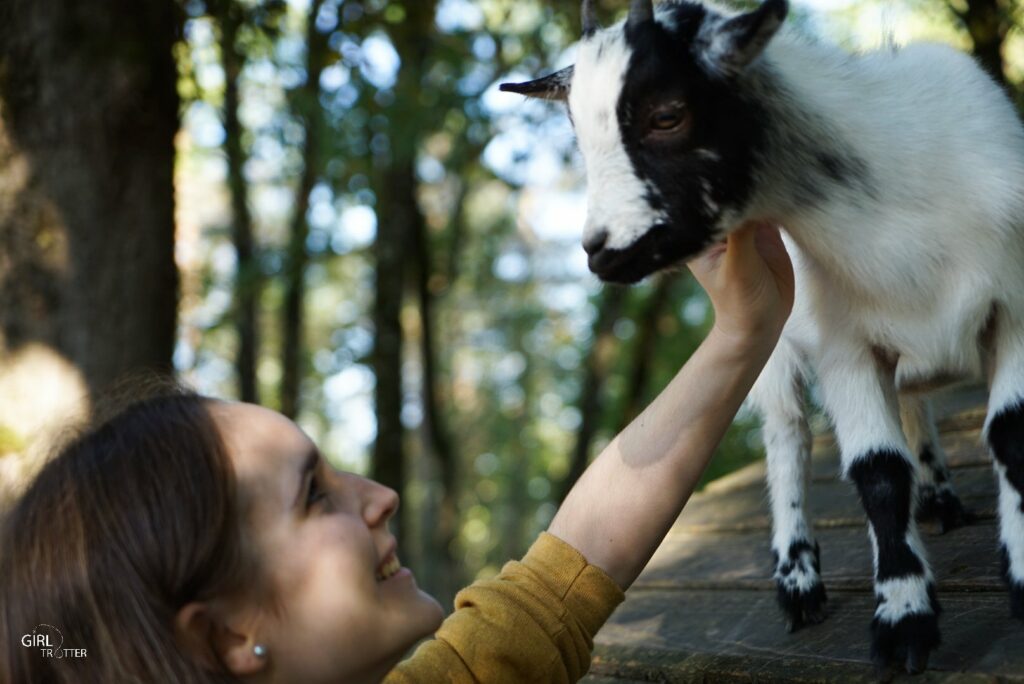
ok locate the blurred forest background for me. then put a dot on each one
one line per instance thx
(326, 207)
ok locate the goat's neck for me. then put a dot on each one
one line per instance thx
(807, 168)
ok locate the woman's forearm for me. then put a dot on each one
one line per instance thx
(624, 504)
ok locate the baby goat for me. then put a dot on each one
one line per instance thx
(899, 178)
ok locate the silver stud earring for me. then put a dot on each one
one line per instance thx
(259, 650)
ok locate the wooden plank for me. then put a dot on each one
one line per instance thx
(830, 503)
(964, 559)
(679, 636)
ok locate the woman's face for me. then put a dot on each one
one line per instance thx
(341, 607)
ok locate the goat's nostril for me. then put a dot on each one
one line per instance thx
(595, 243)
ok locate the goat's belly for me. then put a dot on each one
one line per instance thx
(933, 351)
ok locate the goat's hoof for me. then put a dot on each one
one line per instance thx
(1017, 600)
(905, 643)
(798, 579)
(801, 608)
(944, 507)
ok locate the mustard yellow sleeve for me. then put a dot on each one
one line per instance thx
(534, 622)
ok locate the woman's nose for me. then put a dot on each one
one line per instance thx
(379, 503)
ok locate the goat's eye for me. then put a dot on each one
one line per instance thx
(667, 119)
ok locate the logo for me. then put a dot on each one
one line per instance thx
(50, 642)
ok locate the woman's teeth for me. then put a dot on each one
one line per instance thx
(389, 569)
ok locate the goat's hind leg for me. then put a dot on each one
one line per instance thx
(778, 395)
(859, 391)
(1004, 430)
(936, 498)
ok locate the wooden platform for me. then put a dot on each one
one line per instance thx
(704, 609)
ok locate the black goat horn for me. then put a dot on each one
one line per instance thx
(640, 11)
(589, 18)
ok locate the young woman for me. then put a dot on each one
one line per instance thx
(193, 540)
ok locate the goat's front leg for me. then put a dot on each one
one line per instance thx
(936, 498)
(1004, 429)
(860, 395)
(778, 395)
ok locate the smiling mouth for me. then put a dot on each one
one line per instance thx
(388, 568)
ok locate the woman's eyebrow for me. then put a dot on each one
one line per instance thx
(305, 473)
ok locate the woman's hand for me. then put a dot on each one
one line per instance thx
(749, 279)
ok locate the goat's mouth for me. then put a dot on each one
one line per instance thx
(660, 247)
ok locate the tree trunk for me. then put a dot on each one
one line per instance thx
(247, 276)
(307, 106)
(597, 364)
(398, 218)
(90, 111)
(449, 579)
(987, 21)
(643, 351)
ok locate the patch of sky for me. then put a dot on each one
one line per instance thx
(695, 310)
(334, 76)
(327, 17)
(257, 112)
(476, 80)
(508, 368)
(512, 267)
(412, 415)
(483, 46)
(346, 312)
(357, 339)
(824, 5)
(212, 308)
(199, 32)
(184, 355)
(273, 201)
(354, 427)
(290, 49)
(569, 419)
(348, 383)
(268, 151)
(429, 169)
(568, 358)
(356, 229)
(317, 241)
(202, 122)
(511, 398)
(557, 215)
(212, 372)
(223, 259)
(380, 61)
(459, 15)
(624, 329)
(568, 296)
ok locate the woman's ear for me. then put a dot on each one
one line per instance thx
(208, 640)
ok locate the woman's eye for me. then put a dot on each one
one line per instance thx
(316, 494)
(666, 119)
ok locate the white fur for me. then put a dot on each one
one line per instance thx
(1011, 524)
(616, 198)
(903, 596)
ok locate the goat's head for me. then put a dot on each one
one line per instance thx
(668, 137)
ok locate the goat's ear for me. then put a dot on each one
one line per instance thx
(727, 47)
(551, 87)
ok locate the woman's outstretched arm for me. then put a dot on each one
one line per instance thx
(624, 504)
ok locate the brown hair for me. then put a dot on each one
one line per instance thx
(128, 523)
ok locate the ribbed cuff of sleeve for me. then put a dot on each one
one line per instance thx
(586, 590)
